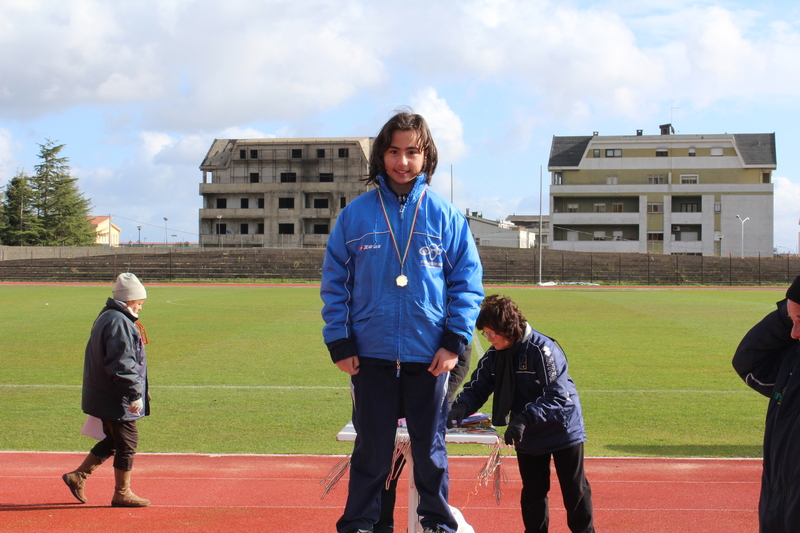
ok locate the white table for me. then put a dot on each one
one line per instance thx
(348, 433)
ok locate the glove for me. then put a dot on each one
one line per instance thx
(136, 406)
(457, 414)
(515, 430)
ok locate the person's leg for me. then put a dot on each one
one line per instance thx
(575, 488)
(425, 402)
(535, 473)
(385, 523)
(126, 439)
(376, 395)
(76, 480)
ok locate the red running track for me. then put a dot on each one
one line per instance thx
(276, 493)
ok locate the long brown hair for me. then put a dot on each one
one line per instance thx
(502, 316)
(405, 120)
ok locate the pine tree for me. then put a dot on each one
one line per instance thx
(60, 206)
(19, 226)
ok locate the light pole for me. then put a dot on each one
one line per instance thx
(219, 233)
(166, 239)
(140, 235)
(743, 221)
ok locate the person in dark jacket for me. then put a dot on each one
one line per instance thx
(768, 360)
(115, 390)
(527, 373)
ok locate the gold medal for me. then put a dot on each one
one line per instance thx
(402, 280)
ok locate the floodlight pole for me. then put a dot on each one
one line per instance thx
(540, 224)
(140, 236)
(743, 221)
(166, 238)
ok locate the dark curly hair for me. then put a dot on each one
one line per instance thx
(406, 120)
(502, 316)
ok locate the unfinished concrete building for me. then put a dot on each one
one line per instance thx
(278, 192)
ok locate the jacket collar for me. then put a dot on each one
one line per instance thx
(120, 306)
(412, 197)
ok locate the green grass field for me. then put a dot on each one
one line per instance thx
(239, 369)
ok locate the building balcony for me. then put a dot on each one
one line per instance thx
(686, 218)
(595, 218)
(232, 214)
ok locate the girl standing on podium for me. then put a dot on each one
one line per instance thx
(401, 287)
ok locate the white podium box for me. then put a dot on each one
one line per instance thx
(456, 435)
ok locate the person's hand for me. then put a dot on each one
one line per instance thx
(515, 430)
(136, 406)
(457, 413)
(349, 365)
(443, 361)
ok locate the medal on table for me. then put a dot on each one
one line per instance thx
(402, 279)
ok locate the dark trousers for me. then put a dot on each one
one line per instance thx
(378, 396)
(121, 441)
(575, 490)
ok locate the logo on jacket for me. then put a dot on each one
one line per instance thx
(431, 254)
(368, 247)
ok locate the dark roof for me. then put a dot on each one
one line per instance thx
(757, 148)
(567, 151)
(219, 154)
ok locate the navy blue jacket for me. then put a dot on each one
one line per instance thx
(115, 366)
(544, 394)
(768, 360)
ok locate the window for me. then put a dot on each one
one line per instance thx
(611, 180)
(325, 177)
(655, 236)
(690, 208)
(244, 203)
(689, 179)
(342, 202)
(253, 154)
(320, 153)
(557, 178)
(655, 179)
(544, 239)
(260, 229)
(344, 152)
(655, 207)
(285, 229)
(288, 177)
(596, 152)
(242, 154)
(572, 208)
(297, 153)
(614, 152)
(222, 203)
(616, 208)
(222, 229)
(692, 152)
(285, 203)
(765, 177)
(321, 229)
(718, 208)
(599, 208)
(243, 229)
(662, 152)
(716, 152)
(320, 203)
(254, 177)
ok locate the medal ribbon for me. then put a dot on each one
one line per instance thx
(402, 258)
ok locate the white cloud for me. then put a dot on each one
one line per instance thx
(445, 125)
(8, 162)
(787, 213)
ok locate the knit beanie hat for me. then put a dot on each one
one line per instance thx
(129, 288)
(794, 291)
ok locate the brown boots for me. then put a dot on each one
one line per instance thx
(76, 479)
(123, 496)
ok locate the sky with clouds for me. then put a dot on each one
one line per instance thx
(137, 91)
